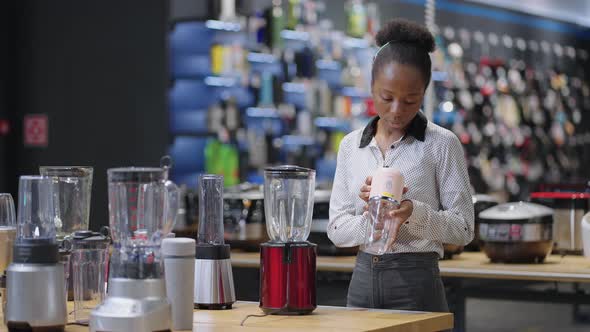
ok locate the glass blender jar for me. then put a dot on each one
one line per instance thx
(74, 188)
(35, 278)
(288, 261)
(143, 205)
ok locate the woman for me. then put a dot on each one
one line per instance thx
(436, 207)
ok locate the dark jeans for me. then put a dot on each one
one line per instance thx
(408, 281)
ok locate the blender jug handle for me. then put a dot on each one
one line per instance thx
(172, 204)
(172, 197)
(166, 163)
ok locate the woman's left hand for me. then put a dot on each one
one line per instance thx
(398, 217)
(403, 213)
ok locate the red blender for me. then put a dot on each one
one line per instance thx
(288, 261)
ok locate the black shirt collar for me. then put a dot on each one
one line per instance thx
(416, 128)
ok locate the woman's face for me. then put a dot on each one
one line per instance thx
(398, 91)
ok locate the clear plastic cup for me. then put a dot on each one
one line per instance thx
(89, 267)
(380, 229)
(65, 258)
(386, 194)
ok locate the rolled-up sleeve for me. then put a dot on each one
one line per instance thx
(453, 223)
(345, 228)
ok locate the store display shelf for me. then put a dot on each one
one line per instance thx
(223, 26)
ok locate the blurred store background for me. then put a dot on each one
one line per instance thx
(230, 86)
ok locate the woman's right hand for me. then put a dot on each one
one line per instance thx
(366, 189)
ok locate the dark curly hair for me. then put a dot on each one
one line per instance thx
(404, 42)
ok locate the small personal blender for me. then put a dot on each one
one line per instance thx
(214, 283)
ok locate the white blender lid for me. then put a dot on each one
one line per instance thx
(290, 171)
(180, 246)
(516, 211)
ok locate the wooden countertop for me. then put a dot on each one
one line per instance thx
(322, 319)
(466, 265)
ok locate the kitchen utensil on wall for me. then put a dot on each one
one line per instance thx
(523, 121)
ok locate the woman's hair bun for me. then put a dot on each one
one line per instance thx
(406, 32)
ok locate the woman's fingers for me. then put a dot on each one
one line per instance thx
(379, 226)
(365, 188)
(393, 234)
(365, 192)
(391, 239)
(364, 196)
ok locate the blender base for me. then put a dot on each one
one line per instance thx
(214, 306)
(25, 327)
(214, 281)
(133, 305)
(287, 311)
(35, 297)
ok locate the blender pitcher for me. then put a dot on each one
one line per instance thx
(74, 185)
(288, 202)
(211, 215)
(143, 205)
